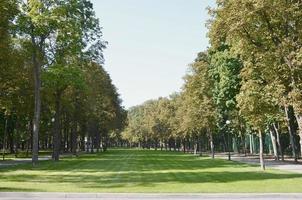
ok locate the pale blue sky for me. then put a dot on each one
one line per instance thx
(151, 43)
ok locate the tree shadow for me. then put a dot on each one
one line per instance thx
(118, 169)
(140, 161)
(147, 178)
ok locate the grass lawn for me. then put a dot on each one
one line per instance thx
(146, 171)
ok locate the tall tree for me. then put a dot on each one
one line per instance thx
(267, 32)
(55, 29)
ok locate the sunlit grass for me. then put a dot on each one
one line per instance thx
(146, 171)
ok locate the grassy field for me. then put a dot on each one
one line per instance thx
(146, 171)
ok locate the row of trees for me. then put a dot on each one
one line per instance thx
(54, 92)
(248, 83)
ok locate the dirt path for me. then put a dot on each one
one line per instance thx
(18, 161)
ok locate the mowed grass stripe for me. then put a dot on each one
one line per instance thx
(130, 170)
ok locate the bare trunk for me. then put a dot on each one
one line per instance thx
(200, 145)
(29, 140)
(56, 134)
(278, 141)
(98, 141)
(4, 140)
(74, 137)
(175, 144)
(11, 143)
(262, 165)
(225, 143)
(161, 145)
(211, 144)
(288, 113)
(17, 144)
(166, 145)
(274, 143)
(299, 120)
(251, 144)
(245, 146)
(195, 148)
(37, 111)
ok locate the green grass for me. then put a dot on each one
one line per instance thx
(146, 171)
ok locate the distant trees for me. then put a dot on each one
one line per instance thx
(247, 84)
(54, 90)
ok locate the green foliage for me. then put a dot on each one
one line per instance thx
(62, 43)
(58, 78)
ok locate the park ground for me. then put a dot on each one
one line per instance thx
(146, 171)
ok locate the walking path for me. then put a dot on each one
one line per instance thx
(17, 161)
(144, 196)
(287, 165)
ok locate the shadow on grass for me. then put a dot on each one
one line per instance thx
(141, 161)
(117, 169)
(146, 179)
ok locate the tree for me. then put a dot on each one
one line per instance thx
(224, 72)
(58, 31)
(269, 33)
(198, 98)
(58, 79)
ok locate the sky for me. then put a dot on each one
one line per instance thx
(151, 43)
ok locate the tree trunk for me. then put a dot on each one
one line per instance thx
(288, 113)
(225, 143)
(56, 134)
(4, 139)
(175, 144)
(92, 143)
(11, 143)
(74, 137)
(278, 141)
(251, 144)
(200, 144)
(299, 120)
(195, 147)
(29, 139)
(166, 145)
(244, 145)
(17, 143)
(37, 110)
(262, 165)
(184, 145)
(212, 146)
(98, 140)
(64, 144)
(274, 143)
(83, 134)
(105, 141)
(161, 145)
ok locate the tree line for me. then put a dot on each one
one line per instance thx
(54, 91)
(243, 93)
